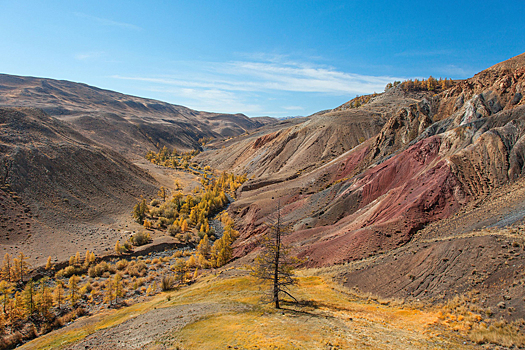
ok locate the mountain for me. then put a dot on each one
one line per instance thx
(59, 190)
(374, 186)
(127, 124)
(414, 193)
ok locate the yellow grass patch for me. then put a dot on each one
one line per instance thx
(327, 318)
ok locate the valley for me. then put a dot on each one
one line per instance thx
(405, 208)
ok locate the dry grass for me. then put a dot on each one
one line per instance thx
(334, 320)
(500, 332)
(463, 314)
(327, 318)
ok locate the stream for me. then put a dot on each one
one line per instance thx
(216, 223)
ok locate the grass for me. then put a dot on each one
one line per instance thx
(501, 332)
(463, 314)
(89, 325)
(327, 318)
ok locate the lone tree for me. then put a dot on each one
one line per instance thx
(274, 265)
(140, 210)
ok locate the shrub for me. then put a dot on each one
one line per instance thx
(121, 264)
(187, 237)
(91, 272)
(140, 238)
(98, 270)
(173, 230)
(166, 283)
(86, 288)
(70, 271)
(137, 269)
(177, 254)
(501, 332)
(165, 221)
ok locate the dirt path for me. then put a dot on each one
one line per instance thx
(166, 176)
(147, 328)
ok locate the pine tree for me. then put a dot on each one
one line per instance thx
(58, 294)
(2, 324)
(184, 226)
(191, 262)
(180, 269)
(196, 273)
(87, 259)
(16, 308)
(119, 289)
(162, 193)
(29, 297)
(204, 246)
(274, 265)
(74, 294)
(109, 291)
(21, 266)
(6, 288)
(221, 251)
(202, 261)
(5, 270)
(45, 300)
(49, 264)
(118, 248)
(140, 210)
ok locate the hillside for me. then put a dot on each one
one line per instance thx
(423, 156)
(127, 124)
(303, 144)
(61, 191)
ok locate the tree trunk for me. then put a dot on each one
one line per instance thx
(276, 262)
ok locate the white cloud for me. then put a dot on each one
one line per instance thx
(108, 22)
(212, 100)
(245, 86)
(274, 76)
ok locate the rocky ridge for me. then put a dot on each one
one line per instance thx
(431, 155)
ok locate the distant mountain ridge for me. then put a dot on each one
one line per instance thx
(128, 124)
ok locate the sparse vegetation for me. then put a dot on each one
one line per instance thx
(233, 317)
(463, 313)
(430, 84)
(358, 101)
(186, 217)
(171, 158)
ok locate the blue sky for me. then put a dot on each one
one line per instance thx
(277, 58)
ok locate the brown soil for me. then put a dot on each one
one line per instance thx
(127, 124)
(144, 330)
(74, 194)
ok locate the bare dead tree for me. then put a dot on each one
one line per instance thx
(274, 265)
